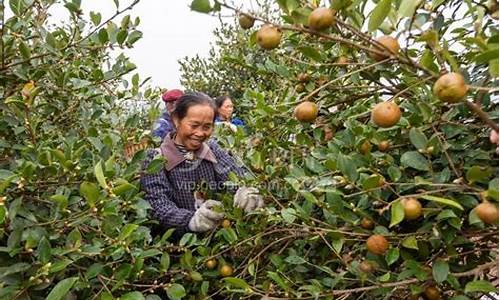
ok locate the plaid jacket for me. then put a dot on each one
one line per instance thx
(171, 190)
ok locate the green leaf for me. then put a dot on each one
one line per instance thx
(25, 50)
(347, 166)
(407, 8)
(418, 138)
(394, 173)
(493, 68)
(50, 40)
(379, 14)
(100, 175)
(188, 239)
(414, 160)
(62, 288)
(155, 165)
(478, 174)
(440, 270)
(479, 286)
(196, 276)
(3, 214)
(229, 235)
(165, 262)
(176, 292)
(93, 271)
(134, 36)
(72, 7)
(276, 278)
(444, 201)
(13, 269)
(166, 235)
(123, 188)
(288, 214)
(372, 181)
(392, 256)
(493, 189)
(427, 61)
(397, 213)
(132, 296)
(410, 242)
(337, 245)
(486, 56)
(95, 18)
(236, 282)
(436, 3)
(103, 36)
(90, 192)
(295, 260)
(121, 36)
(127, 230)
(202, 6)
(44, 250)
(18, 7)
(310, 52)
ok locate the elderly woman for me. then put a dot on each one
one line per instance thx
(192, 161)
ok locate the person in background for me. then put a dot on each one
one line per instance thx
(225, 109)
(192, 160)
(164, 124)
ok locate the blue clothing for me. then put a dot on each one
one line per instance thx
(234, 121)
(163, 126)
(171, 191)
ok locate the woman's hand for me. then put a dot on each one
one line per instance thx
(205, 217)
(248, 199)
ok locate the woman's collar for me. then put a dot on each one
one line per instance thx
(175, 157)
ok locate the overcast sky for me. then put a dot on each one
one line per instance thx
(170, 29)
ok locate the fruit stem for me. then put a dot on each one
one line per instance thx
(483, 88)
(342, 77)
(482, 115)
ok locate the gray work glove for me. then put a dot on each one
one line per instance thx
(205, 218)
(248, 199)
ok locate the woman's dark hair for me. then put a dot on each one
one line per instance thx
(192, 99)
(220, 100)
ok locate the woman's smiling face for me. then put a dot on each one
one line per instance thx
(196, 127)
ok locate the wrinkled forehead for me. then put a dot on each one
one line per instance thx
(200, 114)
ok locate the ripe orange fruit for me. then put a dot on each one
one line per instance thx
(226, 223)
(450, 87)
(321, 18)
(268, 37)
(366, 147)
(432, 293)
(366, 267)
(377, 244)
(246, 22)
(412, 207)
(306, 111)
(386, 114)
(226, 270)
(487, 212)
(383, 146)
(367, 223)
(388, 42)
(211, 263)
